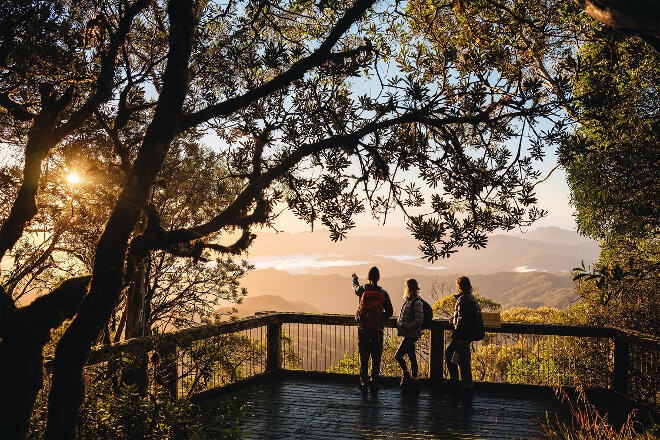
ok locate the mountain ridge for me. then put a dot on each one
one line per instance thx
(334, 294)
(547, 248)
(307, 270)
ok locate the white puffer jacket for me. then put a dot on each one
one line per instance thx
(411, 318)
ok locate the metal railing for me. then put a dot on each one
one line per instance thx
(197, 359)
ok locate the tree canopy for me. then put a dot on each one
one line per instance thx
(611, 161)
(439, 109)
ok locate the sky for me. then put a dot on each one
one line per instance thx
(553, 195)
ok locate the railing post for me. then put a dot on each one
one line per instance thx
(273, 347)
(621, 364)
(437, 354)
(167, 368)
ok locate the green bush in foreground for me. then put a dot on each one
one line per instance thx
(129, 415)
(112, 411)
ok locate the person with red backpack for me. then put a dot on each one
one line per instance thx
(375, 307)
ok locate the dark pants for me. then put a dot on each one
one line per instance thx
(370, 345)
(462, 349)
(407, 347)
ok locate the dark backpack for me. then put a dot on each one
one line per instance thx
(370, 311)
(478, 331)
(428, 313)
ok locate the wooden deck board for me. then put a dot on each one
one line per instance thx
(304, 408)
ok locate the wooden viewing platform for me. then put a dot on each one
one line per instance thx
(291, 375)
(295, 405)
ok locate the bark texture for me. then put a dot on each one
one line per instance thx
(25, 332)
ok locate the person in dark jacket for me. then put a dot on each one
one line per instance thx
(370, 339)
(464, 321)
(409, 325)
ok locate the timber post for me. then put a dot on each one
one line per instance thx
(168, 370)
(273, 346)
(437, 354)
(621, 364)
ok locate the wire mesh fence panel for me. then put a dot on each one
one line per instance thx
(318, 347)
(644, 371)
(221, 360)
(334, 348)
(538, 359)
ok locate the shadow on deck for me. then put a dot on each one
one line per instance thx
(291, 405)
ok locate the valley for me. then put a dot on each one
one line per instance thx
(306, 272)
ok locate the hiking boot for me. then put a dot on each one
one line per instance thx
(406, 379)
(364, 387)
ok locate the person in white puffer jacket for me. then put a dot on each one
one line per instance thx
(409, 325)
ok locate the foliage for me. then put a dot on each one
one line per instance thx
(132, 415)
(611, 163)
(185, 284)
(532, 371)
(222, 417)
(223, 359)
(115, 410)
(119, 124)
(124, 413)
(503, 48)
(349, 364)
(444, 306)
(290, 357)
(588, 423)
(229, 358)
(541, 315)
(622, 287)
(611, 158)
(182, 289)
(61, 240)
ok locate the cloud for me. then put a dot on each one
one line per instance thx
(298, 264)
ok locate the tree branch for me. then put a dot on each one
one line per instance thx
(296, 71)
(44, 134)
(50, 311)
(15, 110)
(104, 82)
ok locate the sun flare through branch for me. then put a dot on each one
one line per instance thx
(73, 178)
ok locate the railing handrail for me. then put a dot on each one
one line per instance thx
(186, 337)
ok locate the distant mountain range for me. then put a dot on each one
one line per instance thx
(306, 272)
(544, 249)
(333, 293)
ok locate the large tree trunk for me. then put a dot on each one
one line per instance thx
(639, 17)
(137, 292)
(73, 349)
(135, 373)
(24, 333)
(68, 389)
(135, 318)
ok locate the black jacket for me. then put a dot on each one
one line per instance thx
(465, 316)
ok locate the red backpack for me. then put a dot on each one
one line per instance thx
(370, 311)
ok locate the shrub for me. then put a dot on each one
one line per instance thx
(588, 424)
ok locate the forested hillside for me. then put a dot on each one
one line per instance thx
(333, 294)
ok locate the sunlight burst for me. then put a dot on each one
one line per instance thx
(73, 178)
